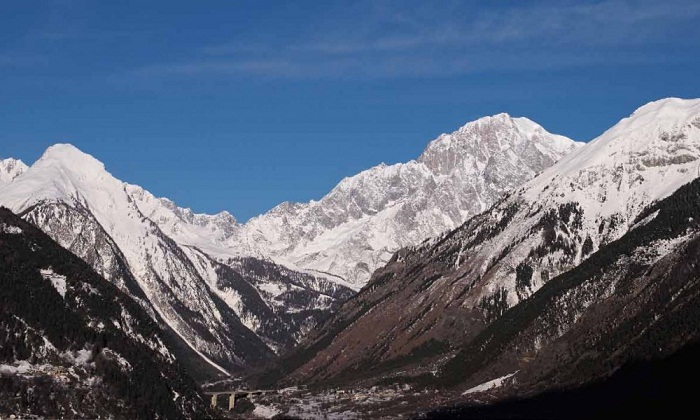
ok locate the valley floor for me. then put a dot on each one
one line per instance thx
(657, 388)
(335, 403)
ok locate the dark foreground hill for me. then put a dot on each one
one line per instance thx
(73, 345)
(650, 389)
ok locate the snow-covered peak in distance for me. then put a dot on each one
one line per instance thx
(367, 217)
(10, 169)
(69, 164)
(62, 172)
(489, 136)
(71, 158)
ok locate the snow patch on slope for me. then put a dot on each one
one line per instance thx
(12, 230)
(57, 281)
(492, 384)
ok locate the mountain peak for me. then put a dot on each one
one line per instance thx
(499, 119)
(356, 227)
(473, 144)
(226, 217)
(71, 157)
(525, 125)
(63, 172)
(669, 114)
(67, 162)
(667, 105)
(502, 123)
(653, 121)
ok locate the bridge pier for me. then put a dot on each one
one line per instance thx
(231, 401)
(213, 400)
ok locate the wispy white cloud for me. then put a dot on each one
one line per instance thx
(394, 40)
(397, 66)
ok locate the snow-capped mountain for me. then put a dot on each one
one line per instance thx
(366, 218)
(223, 314)
(438, 296)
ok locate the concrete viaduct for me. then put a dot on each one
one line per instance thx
(232, 395)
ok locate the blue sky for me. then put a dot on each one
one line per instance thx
(240, 105)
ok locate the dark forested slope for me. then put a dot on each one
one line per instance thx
(73, 345)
